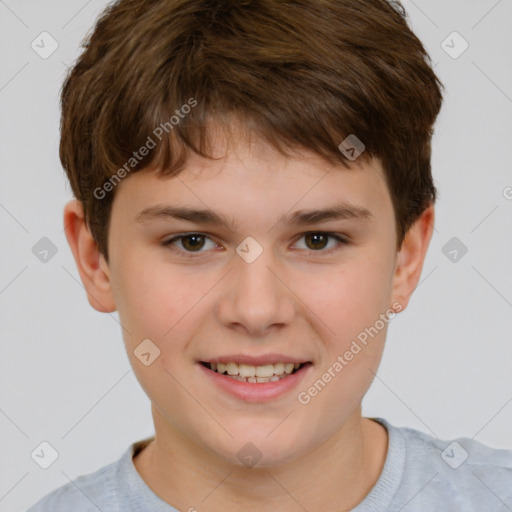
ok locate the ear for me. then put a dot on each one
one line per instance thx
(410, 258)
(91, 264)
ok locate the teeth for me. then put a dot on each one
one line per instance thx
(249, 373)
(265, 371)
(232, 369)
(279, 368)
(246, 371)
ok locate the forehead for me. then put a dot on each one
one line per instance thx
(250, 177)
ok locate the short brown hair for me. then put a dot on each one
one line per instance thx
(300, 73)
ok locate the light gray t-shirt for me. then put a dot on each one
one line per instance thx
(421, 473)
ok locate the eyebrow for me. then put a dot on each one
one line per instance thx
(298, 218)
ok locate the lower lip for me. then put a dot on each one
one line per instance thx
(254, 391)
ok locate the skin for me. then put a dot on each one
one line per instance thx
(298, 298)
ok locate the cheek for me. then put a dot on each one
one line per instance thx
(348, 298)
(151, 299)
(164, 306)
(349, 303)
(154, 307)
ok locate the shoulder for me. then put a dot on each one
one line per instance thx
(87, 493)
(460, 471)
(461, 453)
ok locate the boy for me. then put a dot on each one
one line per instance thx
(254, 196)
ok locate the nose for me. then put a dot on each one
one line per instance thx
(256, 298)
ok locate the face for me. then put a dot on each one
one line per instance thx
(268, 287)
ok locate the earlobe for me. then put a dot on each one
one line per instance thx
(410, 259)
(89, 261)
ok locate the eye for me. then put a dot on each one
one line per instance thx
(318, 240)
(191, 242)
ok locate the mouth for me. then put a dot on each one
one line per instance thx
(256, 379)
(255, 374)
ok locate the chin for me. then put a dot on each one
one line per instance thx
(259, 450)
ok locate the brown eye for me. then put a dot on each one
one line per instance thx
(319, 241)
(189, 243)
(316, 241)
(192, 242)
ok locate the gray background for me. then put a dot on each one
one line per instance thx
(64, 376)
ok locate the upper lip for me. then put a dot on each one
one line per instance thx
(256, 360)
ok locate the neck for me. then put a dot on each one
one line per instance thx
(336, 475)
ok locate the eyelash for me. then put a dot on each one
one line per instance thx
(194, 254)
